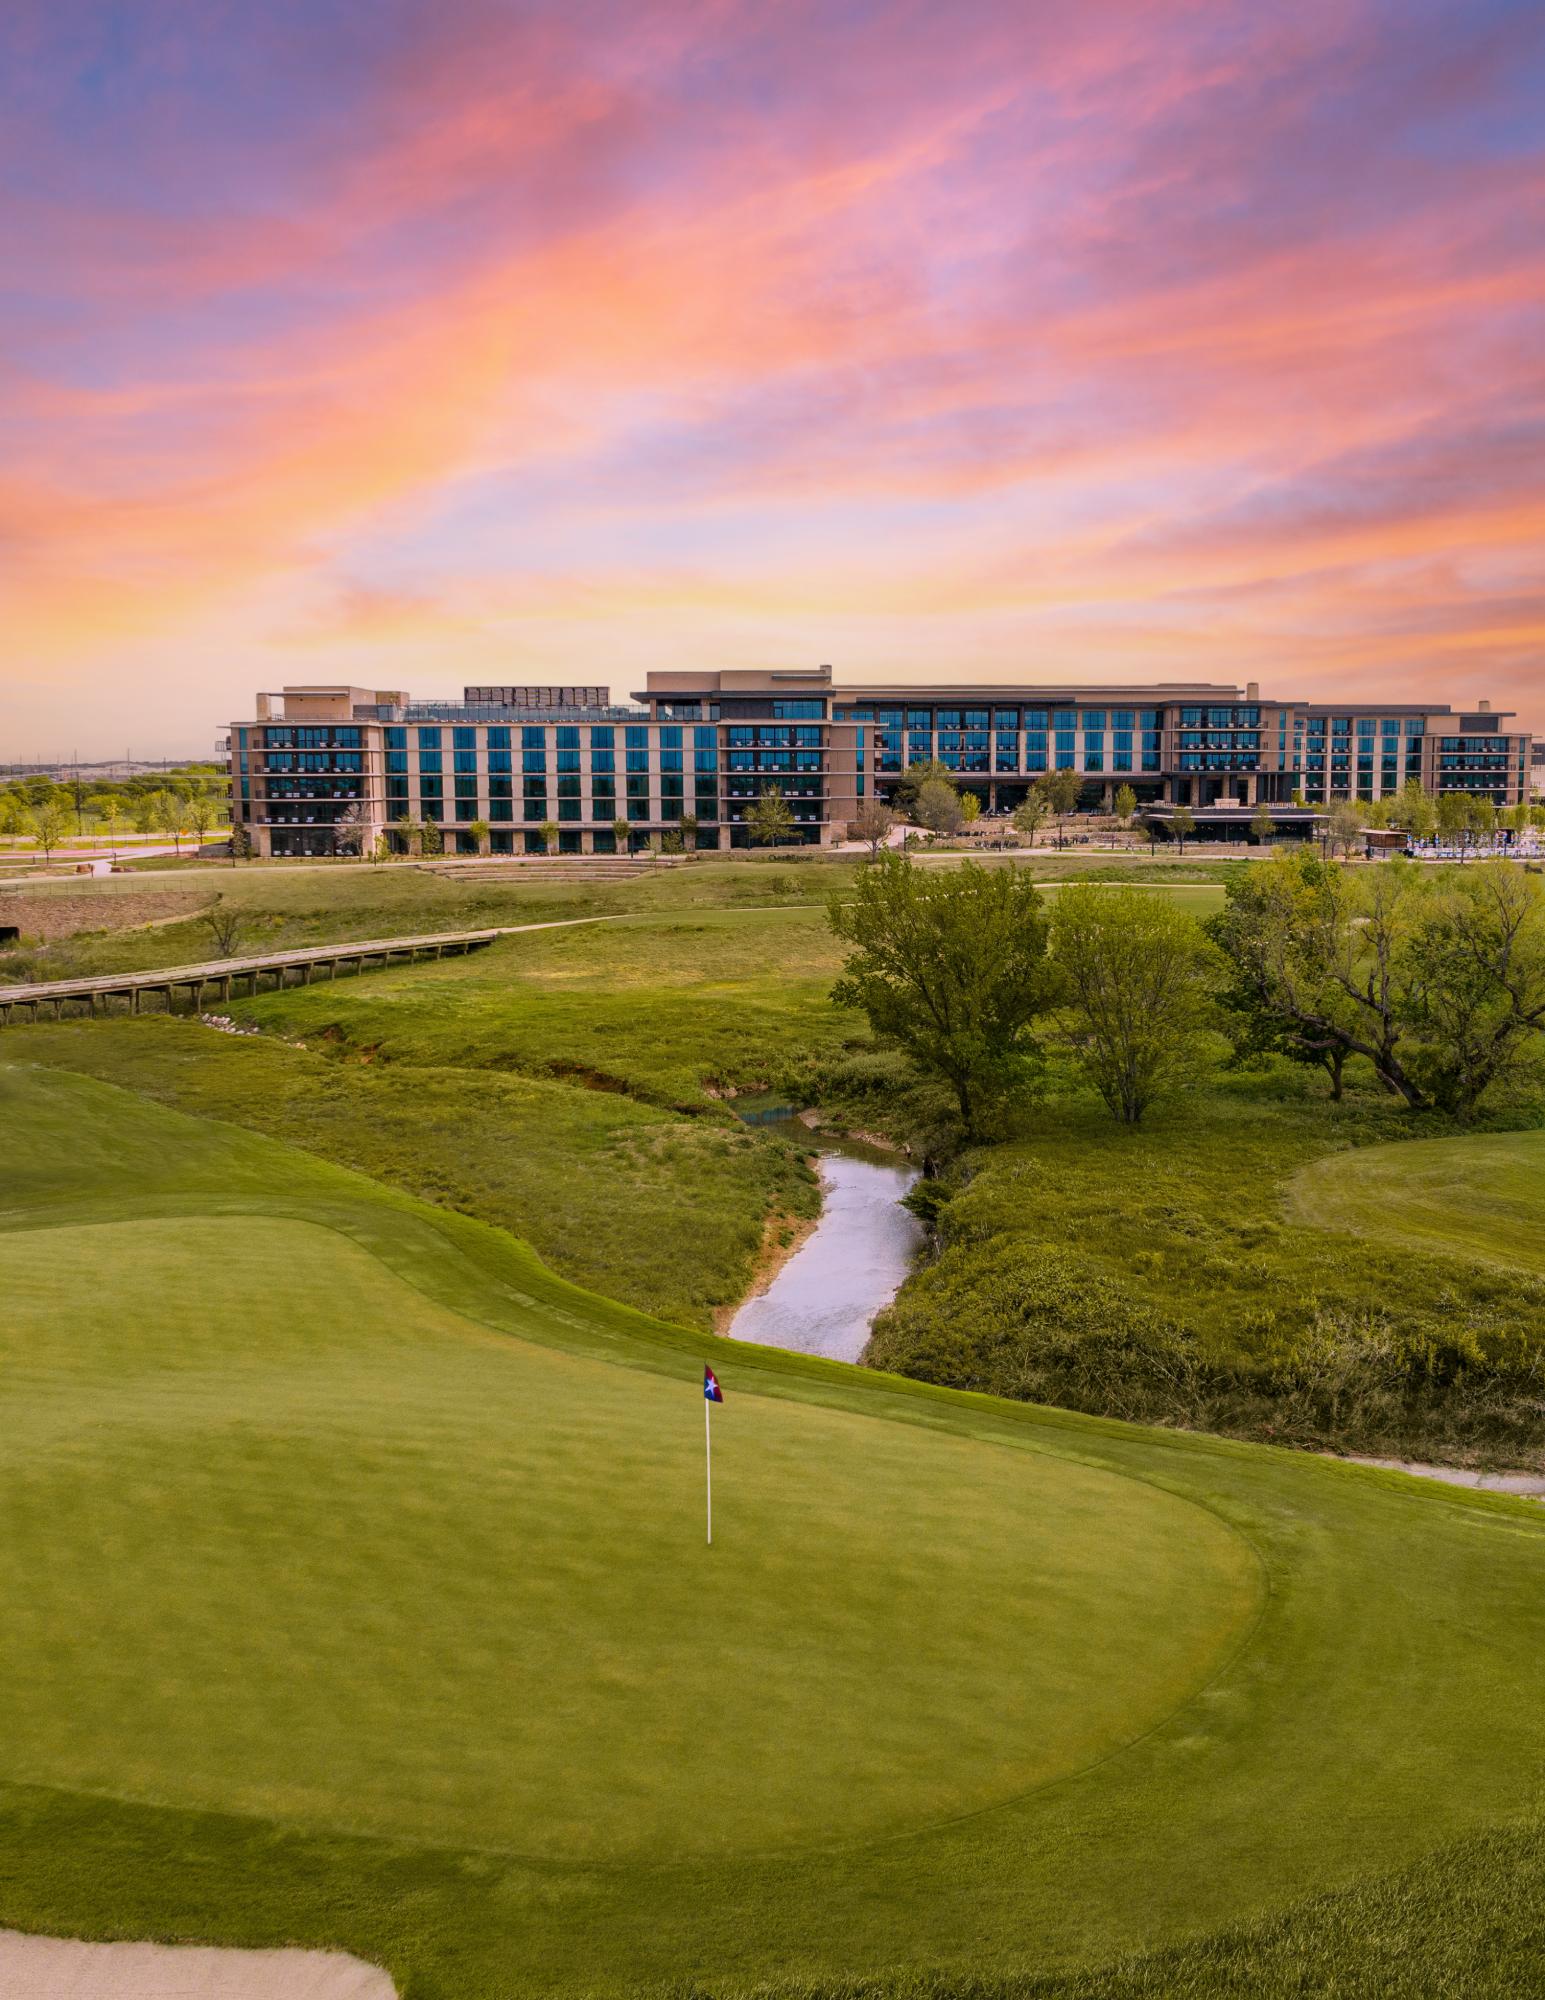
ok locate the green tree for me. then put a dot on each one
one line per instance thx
(970, 808)
(1136, 972)
(620, 833)
(950, 968)
(938, 807)
(912, 780)
(1344, 826)
(1413, 810)
(549, 832)
(1453, 816)
(1030, 813)
(1182, 824)
(1474, 981)
(1262, 825)
(689, 832)
(241, 842)
(1125, 803)
(1316, 959)
(480, 831)
(1060, 789)
(872, 823)
(166, 813)
(203, 811)
(430, 838)
(110, 814)
(50, 826)
(409, 832)
(769, 821)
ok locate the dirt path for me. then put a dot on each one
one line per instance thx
(41, 1968)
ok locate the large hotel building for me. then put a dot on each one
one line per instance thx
(700, 746)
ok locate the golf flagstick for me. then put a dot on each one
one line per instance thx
(712, 1394)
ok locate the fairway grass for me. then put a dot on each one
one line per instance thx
(569, 1685)
(357, 1596)
(1481, 1196)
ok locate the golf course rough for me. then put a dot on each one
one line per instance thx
(357, 1596)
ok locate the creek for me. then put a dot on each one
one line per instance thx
(824, 1299)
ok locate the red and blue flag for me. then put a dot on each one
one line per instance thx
(711, 1387)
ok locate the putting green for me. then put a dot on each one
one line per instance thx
(355, 1596)
(352, 1561)
(1475, 1197)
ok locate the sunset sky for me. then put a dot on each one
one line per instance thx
(415, 342)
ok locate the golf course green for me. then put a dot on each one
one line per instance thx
(357, 1594)
(1479, 1196)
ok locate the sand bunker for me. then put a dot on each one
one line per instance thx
(42, 1968)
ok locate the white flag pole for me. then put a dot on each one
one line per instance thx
(708, 1459)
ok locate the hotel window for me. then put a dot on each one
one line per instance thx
(1094, 720)
(796, 711)
(464, 739)
(464, 761)
(533, 739)
(568, 760)
(637, 760)
(919, 749)
(429, 739)
(534, 763)
(500, 762)
(1065, 719)
(636, 738)
(499, 739)
(974, 750)
(705, 739)
(1035, 749)
(1123, 718)
(429, 760)
(396, 739)
(1005, 718)
(603, 739)
(887, 750)
(976, 718)
(396, 761)
(1006, 755)
(888, 718)
(949, 749)
(1035, 718)
(948, 718)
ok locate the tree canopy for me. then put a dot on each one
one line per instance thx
(949, 967)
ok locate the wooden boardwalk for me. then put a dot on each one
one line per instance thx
(225, 975)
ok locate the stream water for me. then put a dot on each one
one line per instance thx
(824, 1299)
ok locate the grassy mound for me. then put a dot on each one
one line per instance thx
(1481, 1196)
(356, 1595)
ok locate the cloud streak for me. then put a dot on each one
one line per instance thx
(1179, 339)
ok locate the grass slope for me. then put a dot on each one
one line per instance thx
(1226, 1224)
(663, 1211)
(400, 1634)
(1480, 1196)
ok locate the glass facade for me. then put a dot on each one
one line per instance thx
(459, 767)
